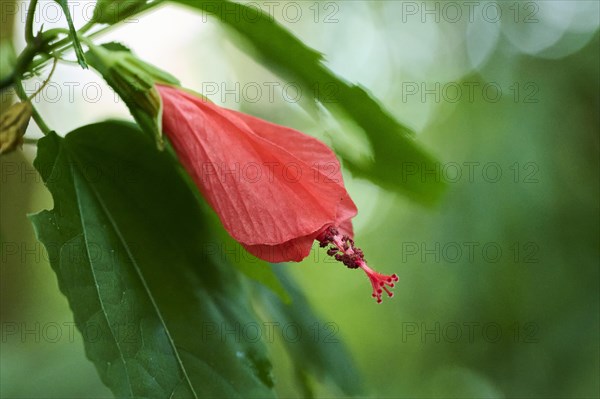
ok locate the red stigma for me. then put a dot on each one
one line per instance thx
(343, 250)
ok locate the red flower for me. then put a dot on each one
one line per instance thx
(275, 189)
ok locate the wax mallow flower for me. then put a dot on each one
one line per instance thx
(276, 190)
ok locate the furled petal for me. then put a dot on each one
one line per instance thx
(274, 189)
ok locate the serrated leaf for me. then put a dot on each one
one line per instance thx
(76, 44)
(322, 356)
(125, 240)
(398, 160)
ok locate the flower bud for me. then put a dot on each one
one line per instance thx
(133, 80)
(13, 124)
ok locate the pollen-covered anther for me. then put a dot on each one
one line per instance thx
(343, 250)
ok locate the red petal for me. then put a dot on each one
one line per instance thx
(314, 153)
(294, 250)
(264, 181)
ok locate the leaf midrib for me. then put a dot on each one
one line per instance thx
(116, 229)
(96, 287)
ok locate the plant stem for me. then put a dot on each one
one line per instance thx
(7, 81)
(29, 24)
(88, 25)
(24, 61)
(31, 97)
(67, 40)
(34, 113)
(65, 44)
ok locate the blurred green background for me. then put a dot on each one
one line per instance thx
(499, 284)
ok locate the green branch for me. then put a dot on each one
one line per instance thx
(29, 24)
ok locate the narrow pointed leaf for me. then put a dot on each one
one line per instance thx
(125, 239)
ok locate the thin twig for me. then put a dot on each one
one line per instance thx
(45, 81)
(23, 96)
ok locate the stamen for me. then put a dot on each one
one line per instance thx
(343, 250)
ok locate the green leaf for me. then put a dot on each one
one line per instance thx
(322, 355)
(399, 163)
(125, 239)
(76, 44)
